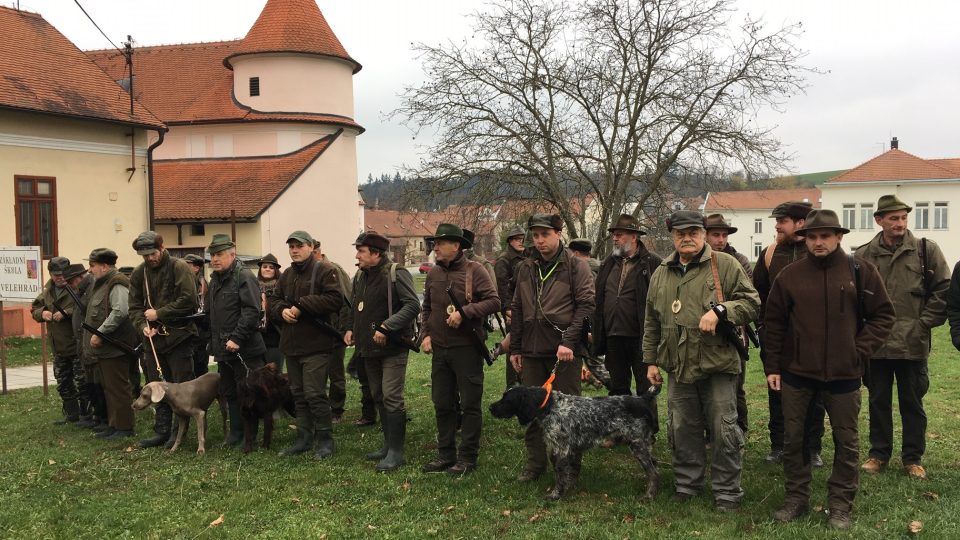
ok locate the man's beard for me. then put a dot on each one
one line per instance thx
(621, 251)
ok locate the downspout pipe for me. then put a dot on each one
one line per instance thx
(150, 209)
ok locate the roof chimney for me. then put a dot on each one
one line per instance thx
(894, 144)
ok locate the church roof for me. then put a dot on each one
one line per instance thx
(208, 189)
(292, 26)
(43, 71)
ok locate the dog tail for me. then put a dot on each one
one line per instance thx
(639, 406)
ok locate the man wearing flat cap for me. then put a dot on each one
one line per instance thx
(201, 356)
(383, 309)
(621, 286)
(108, 312)
(583, 248)
(554, 297)
(787, 249)
(305, 302)
(917, 277)
(457, 365)
(825, 316)
(505, 269)
(54, 306)
(232, 305)
(79, 281)
(163, 292)
(694, 295)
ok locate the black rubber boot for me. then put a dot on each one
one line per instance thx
(87, 421)
(71, 412)
(396, 437)
(235, 436)
(304, 440)
(325, 445)
(381, 453)
(161, 427)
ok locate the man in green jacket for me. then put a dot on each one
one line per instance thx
(917, 277)
(693, 296)
(54, 306)
(505, 267)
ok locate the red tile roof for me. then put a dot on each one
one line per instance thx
(292, 26)
(208, 189)
(43, 71)
(188, 84)
(718, 201)
(395, 224)
(895, 164)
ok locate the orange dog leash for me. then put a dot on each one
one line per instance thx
(548, 386)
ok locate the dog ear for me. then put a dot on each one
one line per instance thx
(158, 392)
(530, 399)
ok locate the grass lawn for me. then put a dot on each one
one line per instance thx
(59, 482)
(24, 351)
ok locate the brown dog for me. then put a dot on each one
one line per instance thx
(262, 392)
(187, 399)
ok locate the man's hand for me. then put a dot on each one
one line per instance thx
(516, 361)
(46, 315)
(150, 314)
(508, 316)
(708, 323)
(564, 354)
(773, 381)
(231, 346)
(379, 338)
(57, 316)
(95, 341)
(653, 375)
(148, 331)
(426, 345)
(454, 320)
(290, 315)
(348, 337)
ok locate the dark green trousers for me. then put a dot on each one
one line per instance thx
(308, 383)
(457, 377)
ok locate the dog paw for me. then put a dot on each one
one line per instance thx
(553, 496)
(201, 451)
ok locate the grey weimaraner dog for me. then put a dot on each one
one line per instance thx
(191, 398)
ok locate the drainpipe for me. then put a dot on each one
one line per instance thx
(150, 149)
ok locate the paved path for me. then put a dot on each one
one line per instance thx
(29, 377)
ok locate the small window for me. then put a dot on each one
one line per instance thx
(198, 229)
(758, 226)
(940, 215)
(922, 213)
(866, 216)
(757, 250)
(254, 86)
(850, 216)
(36, 214)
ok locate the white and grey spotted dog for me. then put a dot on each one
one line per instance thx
(573, 424)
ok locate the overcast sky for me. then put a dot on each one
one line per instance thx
(893, 68)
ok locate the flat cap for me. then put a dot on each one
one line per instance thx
(582, 245)
(194, 259)
(74, 270)
(792, 209)
(546, 221)
(684, 219)
(890, 203)
(515, 231)
(301, 236)
(146, 243)
(58, 265)
(220, 242)
(373, 239)
(103, 256)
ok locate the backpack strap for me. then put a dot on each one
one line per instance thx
(390, 287)
(768, 255)
(858, 283)
(716, 277)
(313, 277)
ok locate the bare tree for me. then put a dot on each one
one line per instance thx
(554, 101)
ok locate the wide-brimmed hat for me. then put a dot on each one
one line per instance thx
(821, 219)
(58, 265)
(684, 219)
(301, 236)
(373, 239)
(73, 271)
(514, 232)
(581, 244)
(269, 258)
(626, 222)
(890, 203)
(716, 221)
(449, 231)
(220, 242)
(103, 256)
(792, 209)
(546, 221)
(146, 243)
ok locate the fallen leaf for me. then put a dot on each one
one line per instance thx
(371, 527)
(295, 500)
(323, 536)
(932, 496)
(933, 435)
(217, 522)
(628, 518)
(818, 508)
(51, 462)
(447, 509)
(128, 449)
(533, 518)
(405, 485)
(62, 444)
(506, 513)
(915, 527)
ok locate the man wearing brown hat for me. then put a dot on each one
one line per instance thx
(383, 308)
(108, 312)
(201, 357)
(457, 365)
(163, 291)
(825, 316)
(337, 373)
(232, 305)
(54, 306)
(695, 348)
(305, 302)
(505, 269)
(621, 298)
(787, 249)
(554, 296)
(919, 298)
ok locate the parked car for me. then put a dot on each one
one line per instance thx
(425, 267)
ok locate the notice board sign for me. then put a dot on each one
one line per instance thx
(20, 273)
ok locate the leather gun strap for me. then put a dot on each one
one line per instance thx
(716, 277)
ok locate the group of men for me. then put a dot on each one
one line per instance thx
(827, 322)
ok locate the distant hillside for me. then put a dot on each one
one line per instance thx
(817, 178)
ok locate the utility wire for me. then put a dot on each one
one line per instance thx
(77, 2)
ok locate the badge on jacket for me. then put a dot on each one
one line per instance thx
(676, 305)
(450, 309)
(360, 306)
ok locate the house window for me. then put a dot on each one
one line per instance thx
(940, 215)
(36, 213)
(254, 86)
(198, 229)
(757, 250)
(850, 216)
(758, 226)
(922, 212)
(866, 216)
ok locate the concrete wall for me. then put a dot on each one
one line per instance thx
(295, 83)
(248, 237)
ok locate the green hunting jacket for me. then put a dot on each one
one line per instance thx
(173, 293)
(917, 310)
(673, 341)
(60, 333)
